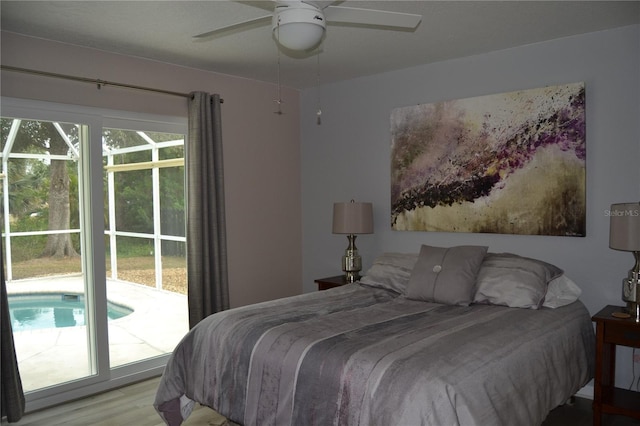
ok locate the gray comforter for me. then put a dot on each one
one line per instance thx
(362, 356)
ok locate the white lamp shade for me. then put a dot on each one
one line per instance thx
(298, 28)
(352, 218)
(624, 231)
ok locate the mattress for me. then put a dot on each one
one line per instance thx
(358, 355)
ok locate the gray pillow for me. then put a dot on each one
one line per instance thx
(446, 275)
(391, 271)
(510, 280)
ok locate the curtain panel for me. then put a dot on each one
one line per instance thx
(208, 288)
(13, 401)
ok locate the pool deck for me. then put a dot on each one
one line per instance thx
(56, 355)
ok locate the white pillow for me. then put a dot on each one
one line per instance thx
(562, 291)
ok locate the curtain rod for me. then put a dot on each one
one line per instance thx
(97, 82)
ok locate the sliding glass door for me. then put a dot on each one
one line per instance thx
(93, 228)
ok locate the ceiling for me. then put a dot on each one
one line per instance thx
(163, 30)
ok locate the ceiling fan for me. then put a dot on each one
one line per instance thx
(299, 25)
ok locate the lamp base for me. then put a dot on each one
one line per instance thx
(351, 261)
(633, 309)
(351, 277)
(631, 295)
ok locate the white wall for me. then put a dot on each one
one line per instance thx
(348, 156)
(261, 149)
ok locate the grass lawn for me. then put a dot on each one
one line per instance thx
(139, 270)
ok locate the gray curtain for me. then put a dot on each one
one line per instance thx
(208, 288)
(12, 394)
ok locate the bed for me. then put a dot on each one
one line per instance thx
(399, 347)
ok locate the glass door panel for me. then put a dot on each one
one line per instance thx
(43, 236)
(146, 267)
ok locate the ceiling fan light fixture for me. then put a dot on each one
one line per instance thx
(299, 28)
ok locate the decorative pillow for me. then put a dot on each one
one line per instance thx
(391, 271)
(561, 291)
(511, 280)
(446, 275)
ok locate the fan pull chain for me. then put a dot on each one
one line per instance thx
(278, 101)
(319, 112)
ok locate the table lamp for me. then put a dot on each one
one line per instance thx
(352, 218)
(624, 234)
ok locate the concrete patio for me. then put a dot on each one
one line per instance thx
(56, 355)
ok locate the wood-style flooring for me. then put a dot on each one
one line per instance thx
(132, 406)
(127, 406)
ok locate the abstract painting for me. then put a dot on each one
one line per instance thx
(509, 163)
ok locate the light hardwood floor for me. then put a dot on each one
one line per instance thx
(128, 406)
(132, 406)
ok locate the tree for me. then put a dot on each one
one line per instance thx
(59, 245)
(50, 187)
(38, 137)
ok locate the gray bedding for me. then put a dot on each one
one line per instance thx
(356, 355)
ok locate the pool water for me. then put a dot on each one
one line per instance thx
(53, 310)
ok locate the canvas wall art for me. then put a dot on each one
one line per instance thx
(509, 163)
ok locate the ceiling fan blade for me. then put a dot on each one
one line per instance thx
(245, 25)
(262, 4)
(381, 18)
(323, 4)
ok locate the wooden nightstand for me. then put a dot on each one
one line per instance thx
(331, 282)
(607, 398)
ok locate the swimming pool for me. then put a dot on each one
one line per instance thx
(54, 310)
